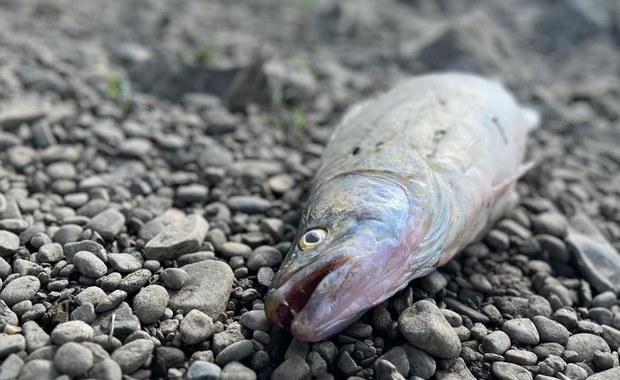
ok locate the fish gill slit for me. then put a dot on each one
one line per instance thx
(500, 129)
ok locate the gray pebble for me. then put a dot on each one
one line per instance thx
(605, 299)
(69, 233)
(318, 365)
(498, 239)
(521, 357)
(89, 265)
(106, 369)
(454, 369)
(20, 289)
(421, 364)
(35, 336)
(575, 372)
(131, 356)
(585, 345)
(73, 359)
(10, 344)
(135, 147)
(544, 350)
(602, 360)
(610, 374)
(460, 308)
(112, 301)
(263, 256)
(84, 313)
(150, 303)
(72, 331)
(297, 347)
(207, 289)
(107, 223)
(174, 278)
(50, 253)
(425, 327)
(521, 331)
(230, 249)
(248, 204)
(235, 352)
(551, 365)
(196, 327)
(551, 223)
(133, 282)
(225, 338)
(397, 356)
(384, 370)
(255, 320)
(9, 243)
(39, 369)
(265, 276)
(111, 281)
(7, 316)
(550, 330)
(509, 371)
(11, 367)
(192, 193)
(346, 364)
(201, 370)
(433, 282)
(92, 295)
(124, 262)
(496, 342)
(611, 336)
(237, 371)
(71, 249)
(177, 239)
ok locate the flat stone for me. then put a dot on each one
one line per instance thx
(208, 288)
(108, 223)
(72, 331)
(39, 369)
(235, 352)
(124, 262)
(89, 265)
(201, 370)
(178, 239)
(521, 357)
(521, 331)
(26, 109)
(150, 303)
(550, 330)
(255, 320)
(248, 204)
(131, 356)
(263, 256)
(20, 289)
(133, 282)
(425, 327)
(509, 371)
(397, 357)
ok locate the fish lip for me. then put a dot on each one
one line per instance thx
(283, 306)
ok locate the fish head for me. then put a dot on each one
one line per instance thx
(351, 253)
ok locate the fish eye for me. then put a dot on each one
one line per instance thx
(312, 238)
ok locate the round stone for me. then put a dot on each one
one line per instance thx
(72, 331)
(174, 278)
(89, 265)
(496, 342)
(586, 345)
(150, 303)
(20, 289)
(73, 359)
(9, 243)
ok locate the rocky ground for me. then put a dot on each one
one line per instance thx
(155, 158)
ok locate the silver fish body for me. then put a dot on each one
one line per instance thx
(407, 180)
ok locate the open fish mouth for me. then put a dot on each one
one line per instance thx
(282, 311)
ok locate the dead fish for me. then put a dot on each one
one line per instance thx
(407, 180)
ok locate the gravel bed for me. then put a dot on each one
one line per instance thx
(155, 158)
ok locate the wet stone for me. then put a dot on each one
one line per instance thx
(425, 327)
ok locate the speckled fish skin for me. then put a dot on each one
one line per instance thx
(407, 180)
